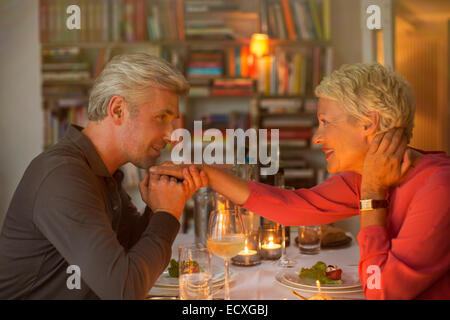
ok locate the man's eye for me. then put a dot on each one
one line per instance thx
(324, 122)
(161, 117)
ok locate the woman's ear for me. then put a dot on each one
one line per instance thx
(371, 126)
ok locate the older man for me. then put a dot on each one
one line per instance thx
(70, 210)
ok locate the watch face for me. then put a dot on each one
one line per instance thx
(366, 204)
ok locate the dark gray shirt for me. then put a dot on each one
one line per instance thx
(68, 210)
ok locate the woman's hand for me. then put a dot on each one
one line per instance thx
(169, 168)
(386, 162)
(192, 178)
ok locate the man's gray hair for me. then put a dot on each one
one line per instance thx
(131, 76)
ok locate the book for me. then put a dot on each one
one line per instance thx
(315, 19)
(287, 121)
(180, 19)
(140, 20)
(129, 20)
(116, 20)
(298, 173)
(288, 20)
(326, 20)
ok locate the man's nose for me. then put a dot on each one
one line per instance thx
(168, 133)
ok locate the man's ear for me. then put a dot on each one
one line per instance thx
(116, 109)
(370, 127)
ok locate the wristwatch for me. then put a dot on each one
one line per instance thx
(370, 204)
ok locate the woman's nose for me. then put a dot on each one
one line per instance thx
(317, 137)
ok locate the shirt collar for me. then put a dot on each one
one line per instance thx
(96, 163)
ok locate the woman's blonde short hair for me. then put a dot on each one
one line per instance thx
(130, 76)
(361, 88)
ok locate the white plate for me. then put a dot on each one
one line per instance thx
(350, 280)
(165, 280)
(280, 279)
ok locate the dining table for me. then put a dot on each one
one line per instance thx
(262, 281)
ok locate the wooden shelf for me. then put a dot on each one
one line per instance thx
(85, 82)
(185, 43)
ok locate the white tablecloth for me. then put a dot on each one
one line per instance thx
(258, 282)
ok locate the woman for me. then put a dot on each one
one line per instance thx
(365, 115)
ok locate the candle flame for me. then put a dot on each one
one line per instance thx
(318, 286)
(271, 244)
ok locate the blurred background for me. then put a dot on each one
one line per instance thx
(239, 80)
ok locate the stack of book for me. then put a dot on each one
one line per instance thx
(64, 64)
(205, 64)
(210, 5)
(59, 114)
(293, 73)
(204, 29)
(296, 19)
(232, 87)
(113, 20)
(281, 106)
(240, 62)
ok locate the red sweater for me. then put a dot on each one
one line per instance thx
(411, 253)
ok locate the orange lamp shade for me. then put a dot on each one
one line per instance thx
(259, 44)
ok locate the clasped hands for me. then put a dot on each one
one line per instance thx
(163, 192)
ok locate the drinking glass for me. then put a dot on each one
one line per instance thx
(195, 273)
(225, 238)
(309, 239)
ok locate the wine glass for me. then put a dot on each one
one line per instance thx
(285, 261)
(225, 238)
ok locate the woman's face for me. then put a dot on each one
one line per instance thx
(344, 142)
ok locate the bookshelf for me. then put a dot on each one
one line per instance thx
(198, 36)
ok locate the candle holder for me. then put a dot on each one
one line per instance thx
(249, 256)
(270, 242)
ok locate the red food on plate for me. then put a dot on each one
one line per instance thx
(334, 274)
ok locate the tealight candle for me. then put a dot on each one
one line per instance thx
(270, 249)
(248, 256)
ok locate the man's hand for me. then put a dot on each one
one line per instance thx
(386, 162)
(162, 193)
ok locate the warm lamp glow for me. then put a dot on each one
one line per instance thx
(259, 44)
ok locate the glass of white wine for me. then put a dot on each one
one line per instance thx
(225, 238)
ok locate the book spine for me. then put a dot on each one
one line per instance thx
(316, 72)
(180, 19)
(129, 23)
(231, 62)
(139, 20)
(280, 22)
(244, 61)
(315, 19)
(326, 20)
(116, 20)
(264, 22)
(238, 61)
(105, 20)
(43, 20)
(288, 19)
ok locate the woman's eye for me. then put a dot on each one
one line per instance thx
(324, 122)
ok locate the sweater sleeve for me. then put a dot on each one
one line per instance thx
(70, 212)
(410, 263)
(334, 199)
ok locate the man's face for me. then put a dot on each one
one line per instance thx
(147, 130)
(343, 141)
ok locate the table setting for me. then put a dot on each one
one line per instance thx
(257, 275)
